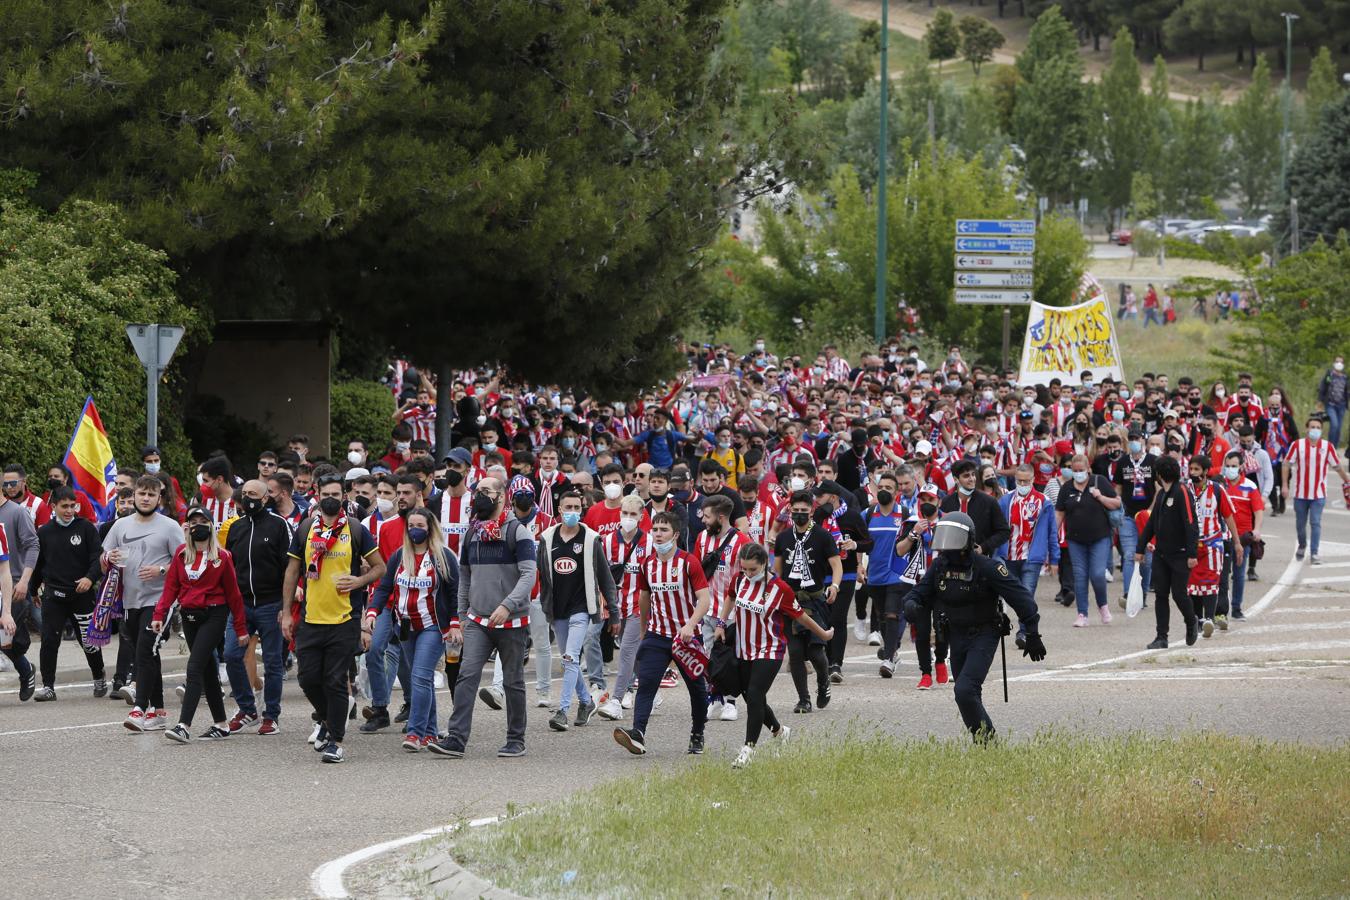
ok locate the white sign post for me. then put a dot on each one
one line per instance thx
(995, 253)
(154, 345)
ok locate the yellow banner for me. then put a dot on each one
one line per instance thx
(1065, 341)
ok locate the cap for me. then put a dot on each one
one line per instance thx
(198, 510)
(679, 477)
(1170, 412)
(355, 472)
(520, 485)
(923, 448)
(931, 490)
(1136, 434)
(460, 456)
(1026, 414)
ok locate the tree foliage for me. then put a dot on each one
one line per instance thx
(1319, 178)
(979, 41)
(1054, 109)
(942, 38)
(1255, 125)
(1126, 128)
(360, 410)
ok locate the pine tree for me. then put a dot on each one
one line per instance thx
(1255, 125)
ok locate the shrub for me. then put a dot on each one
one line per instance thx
(360, 409)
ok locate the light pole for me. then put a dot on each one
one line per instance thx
(1289, 19)
(881, 180)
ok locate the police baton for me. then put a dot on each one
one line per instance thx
(1003, 652)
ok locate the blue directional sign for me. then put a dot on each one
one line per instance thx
(996, 226)
(995, 245)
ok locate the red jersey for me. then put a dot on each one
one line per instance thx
(1245, 499)
(82, 509)
(414, 593)
(674, 585)
(388, 534)
(726, 563)
(422, 422)
(454, 515)
(760, 517)
(759, 614)
(1311, 462)
(605, 520)
(221, 510)
(38, 509)
(1211, 508)
(631, 554)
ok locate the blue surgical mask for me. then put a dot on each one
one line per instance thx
(570, 519)
(965, 491)
(665, 548)
(1136, 447)
(1079, 477)
(1023, 490)
(568, 443)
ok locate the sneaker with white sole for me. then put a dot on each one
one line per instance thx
(631, 740)
(729, 712)
(1081, 621)
(1109, 576)
(743, 758)
(178, 734)
(611, 710)
(887, 668)
(542, 699)
(1207, 627)
(123, 692)
(320, 738)
(44, 694)
(332, 753)
(180, 690)
(100, 687)
(1221, 622)
(28, 684)
(135, 720)
(629, 699)
(782, 734)
(243, 721)
(860, 629)
(874, 639)
(1105, 614)
(269, 727)
(155, 720)
(492, 697)
(715, 708)
(670, 679)
(214, 733)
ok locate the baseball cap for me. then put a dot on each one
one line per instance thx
(923, 448)
(197, 510)
(931, 490)
(460, 456)
(355, 472)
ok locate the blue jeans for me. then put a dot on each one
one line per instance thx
(1335, 416)
(572, 633)
(1151, 315)
(382, 659)
(428, 652)
(595, 657)
(1303, 511)
(1029, 575)
(262, 621)
(1129, 545)
(1089, 565)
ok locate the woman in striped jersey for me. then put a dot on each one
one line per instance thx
(759, 604)
(420, 586)
(626, 549)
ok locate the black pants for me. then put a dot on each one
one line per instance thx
(78, 610)
(1221, 601)
(1170, 574)
(757, 676)
(203, 630)
(1066, 590)
(325, 654)
(132, 621)
(149, 680)
(839, 622)
(891, 599)
(923, 643)
(22, 640)
(973, 651)
(803, 646)
(863, 593)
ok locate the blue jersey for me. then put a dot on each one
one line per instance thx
(883, 567)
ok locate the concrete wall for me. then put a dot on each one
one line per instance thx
(274, 374)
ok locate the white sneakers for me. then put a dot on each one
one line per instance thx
(729, 713)
(629, 698)
(715, 709)
(874, 639)
(1106, 614)
(743, 758)
(610, 709)
(860, 629)
(1081, 621)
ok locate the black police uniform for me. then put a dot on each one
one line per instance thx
(965, 597)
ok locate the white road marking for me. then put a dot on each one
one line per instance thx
(326, 880)
(60, 728)
(1310, 609)
(1337, 579)
(1335, 565)
(1285, 580)
(1320, 595)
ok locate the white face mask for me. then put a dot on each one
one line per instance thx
(355, 456)
(613, 491)
(991, 427)
(797, 484)
(1230, 472)
(1338, 366)
(629, 524)
(201, 480)
(152, 468)
(1155, 450)
(384, 505)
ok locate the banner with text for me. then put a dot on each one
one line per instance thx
(1065, 341)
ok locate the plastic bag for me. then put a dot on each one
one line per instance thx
(1134, 597)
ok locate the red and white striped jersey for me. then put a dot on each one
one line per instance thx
(422, 422)
(221, 510)
(1311, 462)
(760, 517)
(673, 584)
(1023, 514)
(455, 515)
(38, 510)
(759, 613)
(1060, 416)
(1212, 506)
(617, 551)
(4, 545)
(788, 455)
(538, 524)
(414, 593)
(726, 563)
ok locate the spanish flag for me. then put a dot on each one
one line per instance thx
(89, 459)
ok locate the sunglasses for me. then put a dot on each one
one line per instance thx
(9, 483)
(266, 464)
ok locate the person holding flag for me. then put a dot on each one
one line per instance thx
(90, 465)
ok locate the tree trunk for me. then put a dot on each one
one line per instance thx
(1240, 53)
(1096, 41)
(1201, 61)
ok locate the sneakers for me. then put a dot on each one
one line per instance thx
(320, 740)
(1158, 644)
(1316, 560)
(449, 746)
(426, 741)
(28, 684)
(1105, 613)
(243, 721)
(178, 734)
(1110, 577)
(1252, 576)
(822, 695)
(729, 711)
(1123, 602)
(584, 712)
(100, 687)
(874, 639)
(412, 744)
(941, 673)
(925, 682)
(1207, 628)
(379, 718)
(269, 727)
(332, 753)
(743, 758)
(803, 706)
(180, 690)
(155, 720)
(611, 709)
(1238, 616)
(695, 745)
(1192, 632)
(542, 699)
(836, 675)
(1298, 554)
(135, 720)
(402, 713)
(631, 740)
(782, 734)
(629, 699)
(715, 708)
(511, 749)
(559, 721)
(214, 733)
(120, 692)
(860, 629)
(887, 668)
(492, 697)
(1221, 622)
(44, 694)
(670, 679)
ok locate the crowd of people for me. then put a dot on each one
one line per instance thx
(776, 505)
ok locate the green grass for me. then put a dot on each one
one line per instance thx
(870, 816)
(1178, 349)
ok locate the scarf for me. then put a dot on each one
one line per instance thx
(490, 531)
(1023, 515)
(195, 570)
(321, 540)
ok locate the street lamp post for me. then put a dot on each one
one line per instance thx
(881, 180)
(1289, 19)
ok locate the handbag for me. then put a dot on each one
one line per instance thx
(1256, 548)
(711, 558)
(617, 569)
(724, 670)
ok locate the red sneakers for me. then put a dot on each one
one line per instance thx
(243, 721)
(268, 727)
(925, 682)
(941, 673)
(135, 720)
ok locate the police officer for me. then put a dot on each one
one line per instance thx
(962, 590)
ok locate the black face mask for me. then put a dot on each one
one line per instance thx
(927, 509)
(252, 505)
(441, 483)
(483, 506)
(658, 498)
(330, 506)
(860, 449)
(801, 518)
(361, 503)
(54, 483)
(453, 478)
(200, 533)
(885, 498)
(1206, 430)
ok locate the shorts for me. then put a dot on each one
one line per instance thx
(1204, 578)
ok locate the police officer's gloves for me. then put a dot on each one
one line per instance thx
(913, 611)
(1035, 647)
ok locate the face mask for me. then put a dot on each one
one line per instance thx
(1155, 451)
(200, 533)
(252, 505)
(1138, 395)
(1197, 480)
(1066, 473)
(402, 446)
(568, 443)
(1118, 415)
(629, 524)
(1220, 393)
(724, 445)
(1079, 477)
(965, 491)
(1087, 385)
(201, 481)
(927, 510)
(759, 346)
(330, 506)
(1065, 402)
(797, 484)
(885, 498)
(613, 491)
(1136, 447)
(987, 396)
(1314, 434)
(601, 448)
(566, 408)
(1046, 469)
(1023, 490)
(570, 519)
(755, 578)
(152, 468)
(1206, 430)
(452, 478)
(1028, 402)
(418, 535)
(354, 457)
(659, 498)
(1231, 472)
(991, 427)
(483, 506)
(801, 519)
(620, 409)
(384, 505)
(664, 548)
(1340, 366)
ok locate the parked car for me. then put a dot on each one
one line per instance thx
(1122, 236)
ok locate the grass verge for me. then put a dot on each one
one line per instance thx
(1181, 348)
(870, 816)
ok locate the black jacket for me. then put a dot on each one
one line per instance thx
(67, 553)
(258, 545)
(846, 466)
(1172, 522)
(970, 597)
(991, 526)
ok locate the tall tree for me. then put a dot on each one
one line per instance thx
(1324, 88)
(1196, 165)
(1054, 109)
(1254, 126)
(942, 38)
(1318, 180)
(1125, 126)
(979, 41)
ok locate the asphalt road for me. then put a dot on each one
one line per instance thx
(254, 816)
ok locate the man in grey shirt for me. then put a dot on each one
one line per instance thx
(142, 544)
(23, 553)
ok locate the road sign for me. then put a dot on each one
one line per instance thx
(996, 226)
(997, 261)
(154, 345)
(995, 245)
(993, 298)
(993, 279)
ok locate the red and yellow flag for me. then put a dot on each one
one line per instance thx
(89, 459)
